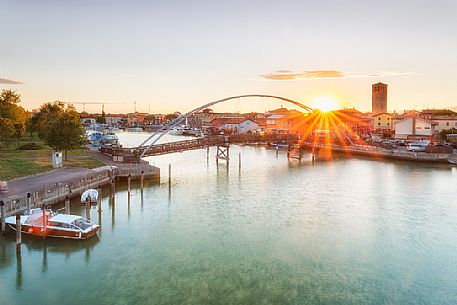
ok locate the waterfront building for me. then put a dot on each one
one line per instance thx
(283, 120)
(378, 98)
(235, 125)
(414, 128)
(382, 121)
(443, 122)
(354, 120)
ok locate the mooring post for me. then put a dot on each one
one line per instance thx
(44, 220)
(207, 153)
(18, 232)
(29, 201)
(113, 186)
(313, 156)
(169, 174)
(277, 151)
(67, 205)
(239, 162)
(88, 207)
(2, 214)
(99, 199)
(142, 180)
(128, 183)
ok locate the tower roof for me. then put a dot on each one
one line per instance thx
(379, 84)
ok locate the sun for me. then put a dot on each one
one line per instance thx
(324, 103)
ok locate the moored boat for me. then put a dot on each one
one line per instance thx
(91, 195)
(42, 223)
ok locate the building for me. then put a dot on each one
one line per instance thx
(443, 122)
(235, 125)
(353, 120)
(283, 120)
(378, 98)
(383, 121)
(414, 128)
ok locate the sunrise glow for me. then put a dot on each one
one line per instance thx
(324, 103)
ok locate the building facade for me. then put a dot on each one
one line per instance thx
(414, 129)
(383, 121)
(378, 98)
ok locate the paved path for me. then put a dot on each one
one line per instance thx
(39, 182)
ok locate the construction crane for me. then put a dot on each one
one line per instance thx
(93, 103)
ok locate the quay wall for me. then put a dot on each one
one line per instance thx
(57, 193)
(379, 153)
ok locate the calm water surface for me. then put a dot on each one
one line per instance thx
(346, 231)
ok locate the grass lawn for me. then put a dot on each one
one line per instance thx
(19, 163)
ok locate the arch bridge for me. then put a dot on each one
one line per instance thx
(150, 146)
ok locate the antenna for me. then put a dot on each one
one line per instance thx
(134, 105)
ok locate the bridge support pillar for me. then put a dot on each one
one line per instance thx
(223, 153)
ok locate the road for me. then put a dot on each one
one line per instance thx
(39, 182)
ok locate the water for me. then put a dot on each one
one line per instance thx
(345, 231)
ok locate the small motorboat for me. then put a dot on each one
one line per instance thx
(452, 161)
(38, 222)
(90, 195)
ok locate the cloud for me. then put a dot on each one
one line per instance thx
(288, 75)
(324, 74)
(10, 81)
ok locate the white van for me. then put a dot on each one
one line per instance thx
(416, 146)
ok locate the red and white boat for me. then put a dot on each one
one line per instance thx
(47, 223)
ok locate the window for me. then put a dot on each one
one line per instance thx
(379, 124)
(447, 123)
(388, 124)
(379, 119)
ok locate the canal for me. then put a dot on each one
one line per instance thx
(339, 231)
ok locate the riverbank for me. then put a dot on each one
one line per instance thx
(17, 163)
(381, 153)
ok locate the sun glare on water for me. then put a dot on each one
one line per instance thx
(324, 103)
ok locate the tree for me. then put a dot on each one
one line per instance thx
(171, 116)
(13, 117)
(60, 127)
(100, 120)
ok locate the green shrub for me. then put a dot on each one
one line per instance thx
(29, 146)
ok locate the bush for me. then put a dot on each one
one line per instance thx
(29, 146)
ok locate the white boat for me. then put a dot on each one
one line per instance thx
(452, 160)
(43, 223)
(91, 195)
(134, 129)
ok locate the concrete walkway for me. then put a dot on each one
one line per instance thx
(18, 187)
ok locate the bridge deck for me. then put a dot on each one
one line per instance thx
(132, 154)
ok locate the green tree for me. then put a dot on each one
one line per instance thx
(13, 117)
(171, 116)
(100, 120)
(60, 127)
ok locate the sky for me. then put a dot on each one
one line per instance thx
(177, 55)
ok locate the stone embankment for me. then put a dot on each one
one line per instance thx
(53, 187)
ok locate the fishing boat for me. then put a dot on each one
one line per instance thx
(91, 195)
(38, 222)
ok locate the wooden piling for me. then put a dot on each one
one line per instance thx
(99, 199)
(29, 201)
(44, 220)
(277, 151)
(88, 207)
(169, 174)
(18, 231)
(67, 204)
(128, 183)
(142, 180)
(239, 162)
(2, 214)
